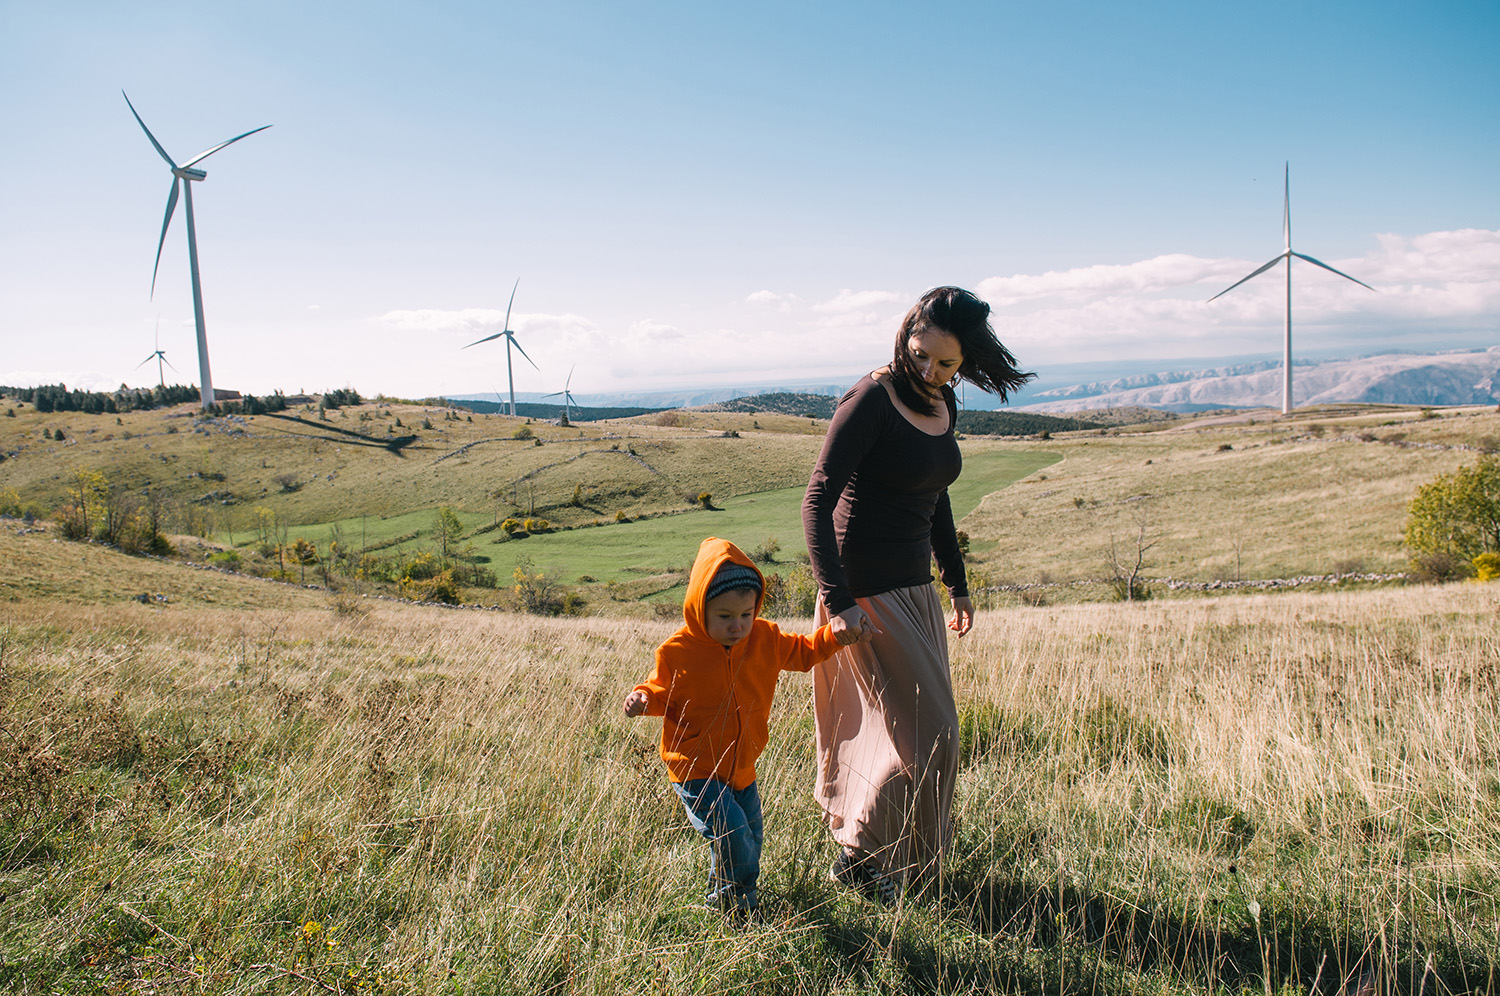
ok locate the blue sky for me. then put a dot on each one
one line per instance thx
(698, 194)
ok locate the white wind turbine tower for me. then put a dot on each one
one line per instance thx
(510, 340)
(1287, 254)
(567, 396)
(183, 177)
(160, 357)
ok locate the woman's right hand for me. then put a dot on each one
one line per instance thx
(851, 626)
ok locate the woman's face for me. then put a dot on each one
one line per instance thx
(936, 357)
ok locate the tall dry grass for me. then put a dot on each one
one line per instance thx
(1278, 793)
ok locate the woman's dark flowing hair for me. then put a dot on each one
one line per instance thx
(953, 311)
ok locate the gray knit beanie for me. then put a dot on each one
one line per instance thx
(733, 577)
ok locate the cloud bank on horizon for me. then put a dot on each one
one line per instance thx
(1444, 282)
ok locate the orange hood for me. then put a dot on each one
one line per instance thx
(713, 553)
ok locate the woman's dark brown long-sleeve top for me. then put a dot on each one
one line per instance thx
(876, 510)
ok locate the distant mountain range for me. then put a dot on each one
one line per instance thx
(1448, 378)
(1458, 378)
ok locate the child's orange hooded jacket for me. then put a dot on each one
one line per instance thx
(716, 700)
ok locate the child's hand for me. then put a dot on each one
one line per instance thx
(635, 704)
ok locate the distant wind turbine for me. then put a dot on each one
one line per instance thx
(183, 177)
(1287, 254)
(567, 396)
(160, 356)
(510, 340)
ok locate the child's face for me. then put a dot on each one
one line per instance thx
(730, 615)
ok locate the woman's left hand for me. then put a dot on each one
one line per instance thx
(963, 615)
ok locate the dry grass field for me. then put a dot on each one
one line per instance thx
(1247, 497)
(254, 787)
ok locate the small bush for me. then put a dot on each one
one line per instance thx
(441, 587)
(620, 516)
(1487, 566)
(1440, 567)
(792, 594)
(523, 432)
(230, 559)
(511, 526)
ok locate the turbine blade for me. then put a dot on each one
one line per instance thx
(169, 363)
(154, 142)
(485, 339)
(1330, 269)
(1286, 209)
(165, 223)
(1252, 276)
(523, 352)
(569, 382)
(145, 361)
(208, 152)
(552, 395)
(507, 308)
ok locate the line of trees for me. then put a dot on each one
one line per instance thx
(58, 398)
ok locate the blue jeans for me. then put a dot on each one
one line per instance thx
(731, 820)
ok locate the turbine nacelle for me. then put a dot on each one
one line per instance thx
(184, 173)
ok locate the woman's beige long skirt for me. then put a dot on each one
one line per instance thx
(887, 735)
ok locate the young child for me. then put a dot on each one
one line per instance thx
(713, 683)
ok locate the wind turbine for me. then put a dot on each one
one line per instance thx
(510, 340)
(183, 177)
(567, 396)
(160, 356)
(1287, 254)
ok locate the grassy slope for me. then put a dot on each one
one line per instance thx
(1294, 502)
(1286, 497)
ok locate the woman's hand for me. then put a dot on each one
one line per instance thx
(963, 615)
(635, 704)
(852, 626)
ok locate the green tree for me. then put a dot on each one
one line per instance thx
(303, 553)
(1456, 517)
(449, 529)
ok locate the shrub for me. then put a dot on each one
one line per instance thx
(537, 591)
(523, 432)
(441, 587)
(1437, 568)
(537, 525)
(423, 567)
(705, 499)
(510, 526)
(225, 558)
(792, 594)
(766, 552)
(1487, 566)
(620, 516)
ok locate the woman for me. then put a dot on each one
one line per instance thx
(875, 515)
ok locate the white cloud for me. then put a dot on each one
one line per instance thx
(780, 302)
(1158, 307)
(850, 300)
(1147, 276)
